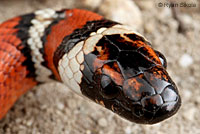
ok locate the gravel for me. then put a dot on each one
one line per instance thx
(52, 109)
(185, 60)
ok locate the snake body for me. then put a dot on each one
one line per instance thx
(103, 60)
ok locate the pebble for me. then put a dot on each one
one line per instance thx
(102, 122)
(125, 12)
(72, 104)
(22, 127)
(29, 122)
(60, 106)
(191, 79)
(91, 3)
(43, 107)
(187, 94)
(128, 130)
(88, 132)
(146, 5)
(197, 100)
(165, 13)
(58, 112)
(18, 120)
(149, 27)
(189, 114)
(173, 24)
(187, 20)
(22, 132)
(185, 60)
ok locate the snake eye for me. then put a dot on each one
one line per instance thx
(162, 59)
(109, 90)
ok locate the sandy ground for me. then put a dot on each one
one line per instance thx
(53, 109)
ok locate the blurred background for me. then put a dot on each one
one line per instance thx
(173, 27)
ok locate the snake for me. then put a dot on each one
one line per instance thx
(100, 59)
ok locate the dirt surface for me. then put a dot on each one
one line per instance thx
(53, 109)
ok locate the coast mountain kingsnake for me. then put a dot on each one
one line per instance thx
(101, 59)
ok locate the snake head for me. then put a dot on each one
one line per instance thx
(131, 79)
(147, 97)
(151, 96)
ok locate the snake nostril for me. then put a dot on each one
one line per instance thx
(152, 103)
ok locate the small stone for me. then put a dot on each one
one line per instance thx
(18, 120)
(101, 132)
(128, 130)
(91, 3)
(29, 122)
(149, 27)
(43, 107)
(102, 122)
(173, 24)
(72, 104)
(146, 4)
(125, 12)
(189, 114)
(22, 127)
(60, 106)
(22, 132)
(58, 112)
(191, 79)
(187, 94)
(185, 60)
(165, 13)
(187, 20)
(197, 100)
(88, 132)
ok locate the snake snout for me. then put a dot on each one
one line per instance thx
(171, 104)
(158, 107)
(153, 96)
